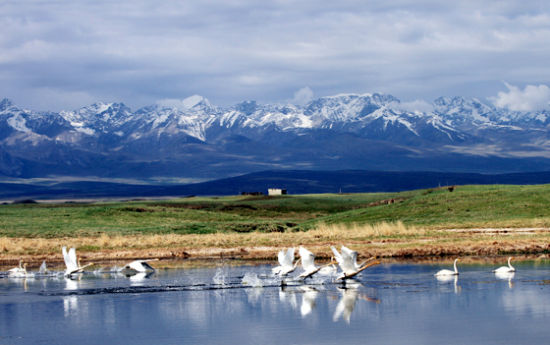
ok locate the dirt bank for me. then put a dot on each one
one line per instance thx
(440, 244)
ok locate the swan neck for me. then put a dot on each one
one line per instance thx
(456, 270)
(510, 263)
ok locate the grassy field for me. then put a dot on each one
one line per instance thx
(420, 217)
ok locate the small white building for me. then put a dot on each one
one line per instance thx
(275, 191)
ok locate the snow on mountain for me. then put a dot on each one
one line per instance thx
(193, 116)
(333, 128)
(160, 120)
(98, 117)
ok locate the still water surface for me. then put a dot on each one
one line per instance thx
(387, 304)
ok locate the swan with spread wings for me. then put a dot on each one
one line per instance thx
(72, 264)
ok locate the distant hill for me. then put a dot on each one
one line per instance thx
(295, 181)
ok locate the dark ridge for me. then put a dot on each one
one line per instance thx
(294, 181)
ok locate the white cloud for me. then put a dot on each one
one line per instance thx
(186, 103)
(416, 106)
(303, 96)
(531, 98)
(139, 51)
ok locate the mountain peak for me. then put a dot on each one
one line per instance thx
(247, 107)
(5, 104)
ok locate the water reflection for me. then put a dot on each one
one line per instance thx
(346, 304)
(140, 278)
(506, 276)
(70, 305)
(254, 294)
(308, 300)
(243, 305)
(448, 279)
(288, 296)
(350, 293)
(72, 284)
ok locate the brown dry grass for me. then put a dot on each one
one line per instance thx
(382, 240)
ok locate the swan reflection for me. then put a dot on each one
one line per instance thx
(346, 304)
(254, 294)
(308, 300)
(138, 278)
(24, 281)
(70, 305)
(448, 279)
(286, 296)
(506, 276)
(72, 284)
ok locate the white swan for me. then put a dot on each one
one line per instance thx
(140, 266)
(286, 260)
(509, 276)
(506, 269)
(18, 272)
(43, 268)
(308, 265)
(347, 260)
(72, 264)
(448, 272)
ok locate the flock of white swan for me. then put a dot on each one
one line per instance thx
(346, 259)
(73, 267)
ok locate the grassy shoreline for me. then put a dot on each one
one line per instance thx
(421, 223)
(409, 243)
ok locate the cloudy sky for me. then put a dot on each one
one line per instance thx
(64, 54)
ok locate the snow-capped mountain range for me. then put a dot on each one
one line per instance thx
(194, 138)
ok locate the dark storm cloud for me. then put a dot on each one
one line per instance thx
(65, 54)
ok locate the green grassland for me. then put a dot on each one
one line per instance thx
(465, 207)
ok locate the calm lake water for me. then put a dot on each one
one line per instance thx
(387, 304)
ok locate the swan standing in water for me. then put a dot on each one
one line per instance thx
(286, 262)
(448, 272)
(72, 264)
(347, 260)
(18, 272)
(506, 269)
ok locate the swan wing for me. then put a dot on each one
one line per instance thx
(43, 268)
(67, 257)
(289, 257)
(350, 257)
(281, 257)
(72, 257)
(337, 255)
(349, 260)
(140, 266)
(147, 266)
(307, 259)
